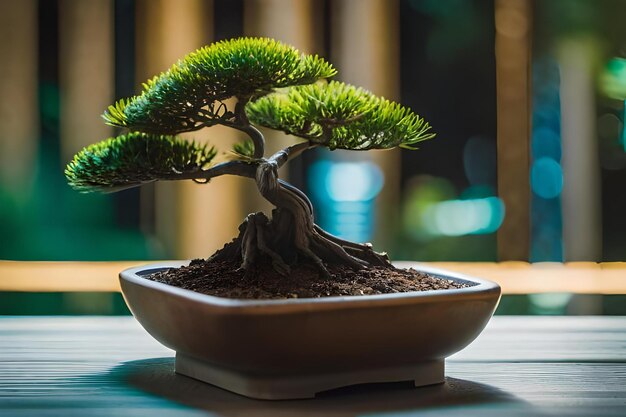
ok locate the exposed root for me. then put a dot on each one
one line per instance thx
(362, 251)
(261, 237)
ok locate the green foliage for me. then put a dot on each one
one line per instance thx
(278, 86)
(135, 158)
(244, 149)
(340, 116)
(190, 94)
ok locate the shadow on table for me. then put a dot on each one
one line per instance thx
(156, 376)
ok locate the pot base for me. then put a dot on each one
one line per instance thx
(290, 387)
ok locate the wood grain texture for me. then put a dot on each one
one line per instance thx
(519, 366)
(513, 277)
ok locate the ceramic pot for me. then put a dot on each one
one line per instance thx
(295, 348)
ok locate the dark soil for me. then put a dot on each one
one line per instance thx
(224, 279)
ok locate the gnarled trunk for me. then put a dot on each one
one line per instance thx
(291, 234)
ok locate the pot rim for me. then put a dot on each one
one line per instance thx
(482, 288)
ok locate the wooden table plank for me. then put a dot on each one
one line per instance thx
(549, 339)
(520, 366)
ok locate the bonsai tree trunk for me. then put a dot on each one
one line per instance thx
(291, 233)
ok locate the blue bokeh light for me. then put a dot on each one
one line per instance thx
(344, 193)
(546, 178)
(352, 181)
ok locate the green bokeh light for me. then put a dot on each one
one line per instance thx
(612, 81)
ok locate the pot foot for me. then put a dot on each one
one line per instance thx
(290, 387)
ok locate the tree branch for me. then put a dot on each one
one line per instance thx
(239, 168)
(243, 124)
(290, 152)
(255, 134)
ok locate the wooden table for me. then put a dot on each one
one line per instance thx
(108, 366)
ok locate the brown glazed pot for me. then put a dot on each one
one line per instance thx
(295, 348)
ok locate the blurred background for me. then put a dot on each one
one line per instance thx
(526, 97)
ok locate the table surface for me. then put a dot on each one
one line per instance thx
(109, 366)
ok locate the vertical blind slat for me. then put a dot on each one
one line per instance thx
(86, 72)
(18, 85)
(513, 50)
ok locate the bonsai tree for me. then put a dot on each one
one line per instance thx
(275, 87)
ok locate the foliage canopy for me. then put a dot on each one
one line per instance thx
(340, 116)
(190, 94)
(136, 158)
(275, 86)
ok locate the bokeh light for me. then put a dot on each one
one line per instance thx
(350, 181)
(433, 210)
(423, 192)
(344, 193)
(612, 80)
(464, 217)
(549, 304)
(546, 178)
